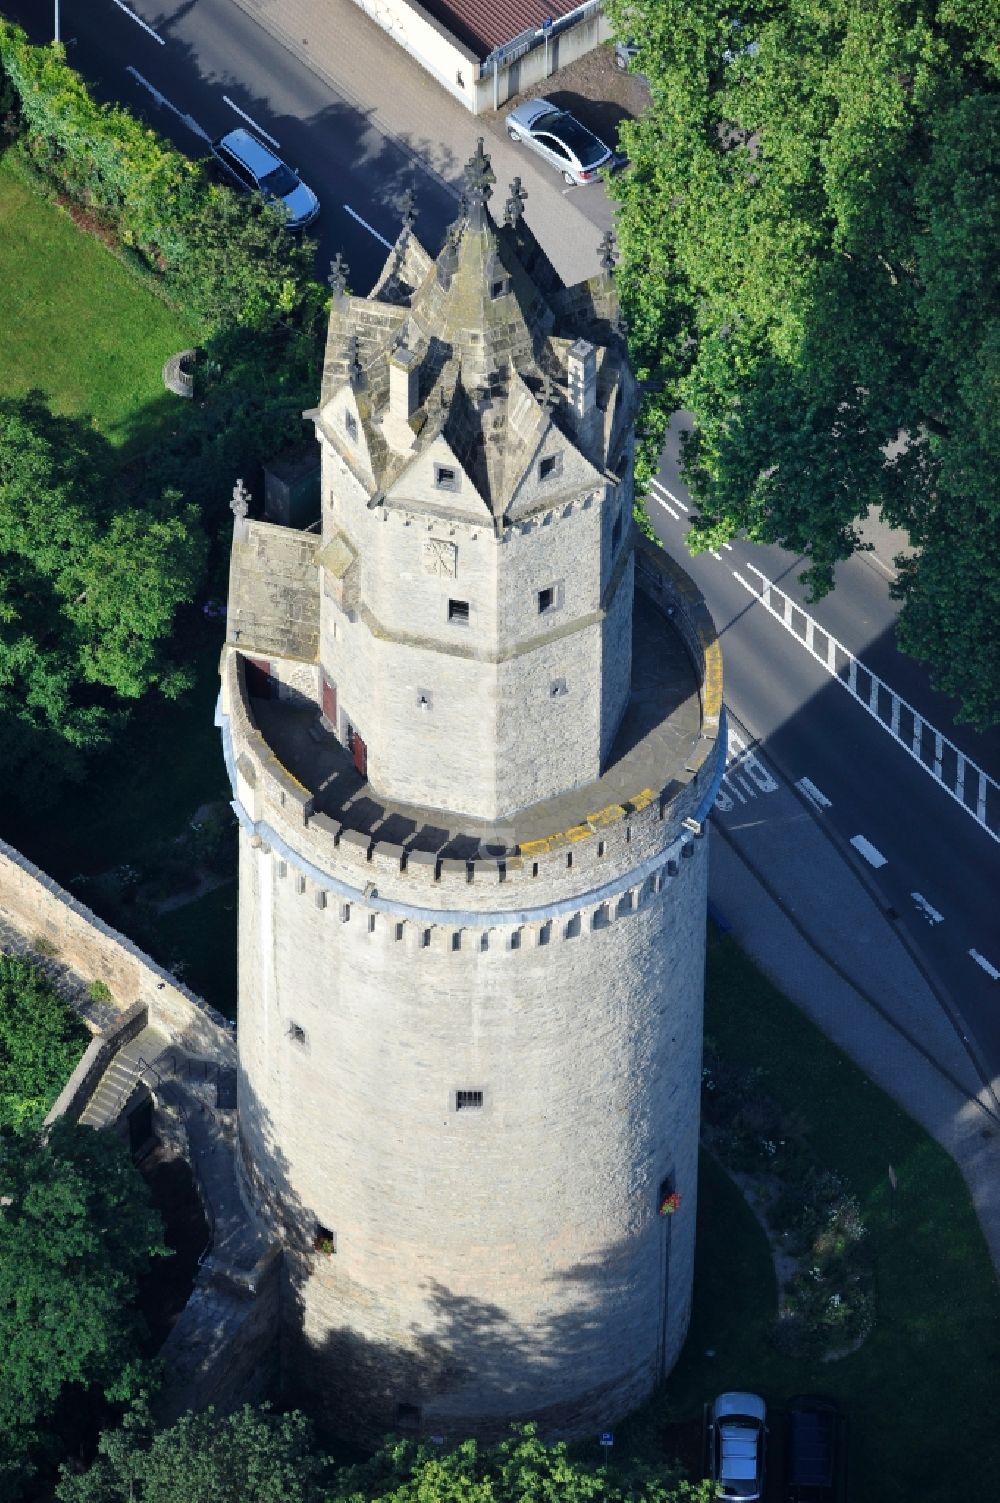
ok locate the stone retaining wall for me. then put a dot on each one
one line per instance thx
(39, 909)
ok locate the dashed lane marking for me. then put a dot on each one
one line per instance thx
(365, 225)
(658, 485)
(981, 960)
(930, 913)
(161, 99)
(251, 121)
(870, 852)
(807, 787)
(139, 22)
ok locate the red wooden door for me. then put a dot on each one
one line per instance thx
(360, 751)
(329, 701)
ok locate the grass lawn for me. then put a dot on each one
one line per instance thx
(920, 1394)
(77, 325)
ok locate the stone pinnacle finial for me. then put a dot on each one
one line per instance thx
(339, 274)
(514, 207)
(479, 178)
(409, 208)
(549, 398)
(240, 504)
(607, 251)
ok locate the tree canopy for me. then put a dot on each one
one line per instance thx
(258, 1457)
(76, 1233)
(809, 239)
(88, 589)
(41, 1040)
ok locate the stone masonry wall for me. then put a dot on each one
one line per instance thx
(39, 908)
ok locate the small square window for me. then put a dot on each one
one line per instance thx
(468, 1101)
(445, 477)
(546, 600)
(425, 699)
(499, 287)
(558, 688)
(296, 1033)
(351, 425)
(324, 1240)
(549, 466)
(458, 611)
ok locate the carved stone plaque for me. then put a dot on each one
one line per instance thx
(439, 557)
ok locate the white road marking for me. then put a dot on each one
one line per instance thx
(728, 547)
(892, 715)
(251, 121)
(365, 225)
(990, 970)
(812, 793)
(715, 555)
(658, 485)
(871, 854)
(139, 22)
(666, 507)
(159, 99)
(930, 914)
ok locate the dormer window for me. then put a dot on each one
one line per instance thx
(351, 426)
(458, 612)
(500, 287)
(446, 477)
(550, 466)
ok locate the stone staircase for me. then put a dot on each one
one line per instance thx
(122, 1076)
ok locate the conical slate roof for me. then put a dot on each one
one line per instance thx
(487, 327)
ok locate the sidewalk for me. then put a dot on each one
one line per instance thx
(938, 1087)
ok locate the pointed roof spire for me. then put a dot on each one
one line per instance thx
(339, 274)
(514, 207)
(607, 252)
(479, 178)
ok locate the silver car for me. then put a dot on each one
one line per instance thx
(251, 165)
(737, 1431)
(560, 139)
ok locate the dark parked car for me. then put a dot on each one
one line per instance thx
(560, 138)
(811, 1447)
(250, 164)
(737, 1433)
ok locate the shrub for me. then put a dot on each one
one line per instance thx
(41, 1039)
(229, 259)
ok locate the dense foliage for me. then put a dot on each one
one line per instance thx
(89, 590)
(257, 1457)
(41, 1040)
(809, 235)
(228, 258)
(76, 1233)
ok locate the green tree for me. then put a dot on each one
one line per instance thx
(257, 1457)
(41, 1040)
(809, 234)
(252, 1456)
(88, 590)
(76, 1233)
(521, 1467)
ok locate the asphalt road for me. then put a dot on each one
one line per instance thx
(940, 872)
(931, 867)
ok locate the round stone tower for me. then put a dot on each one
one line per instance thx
(473, 727)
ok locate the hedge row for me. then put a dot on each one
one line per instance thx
(226, 258)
